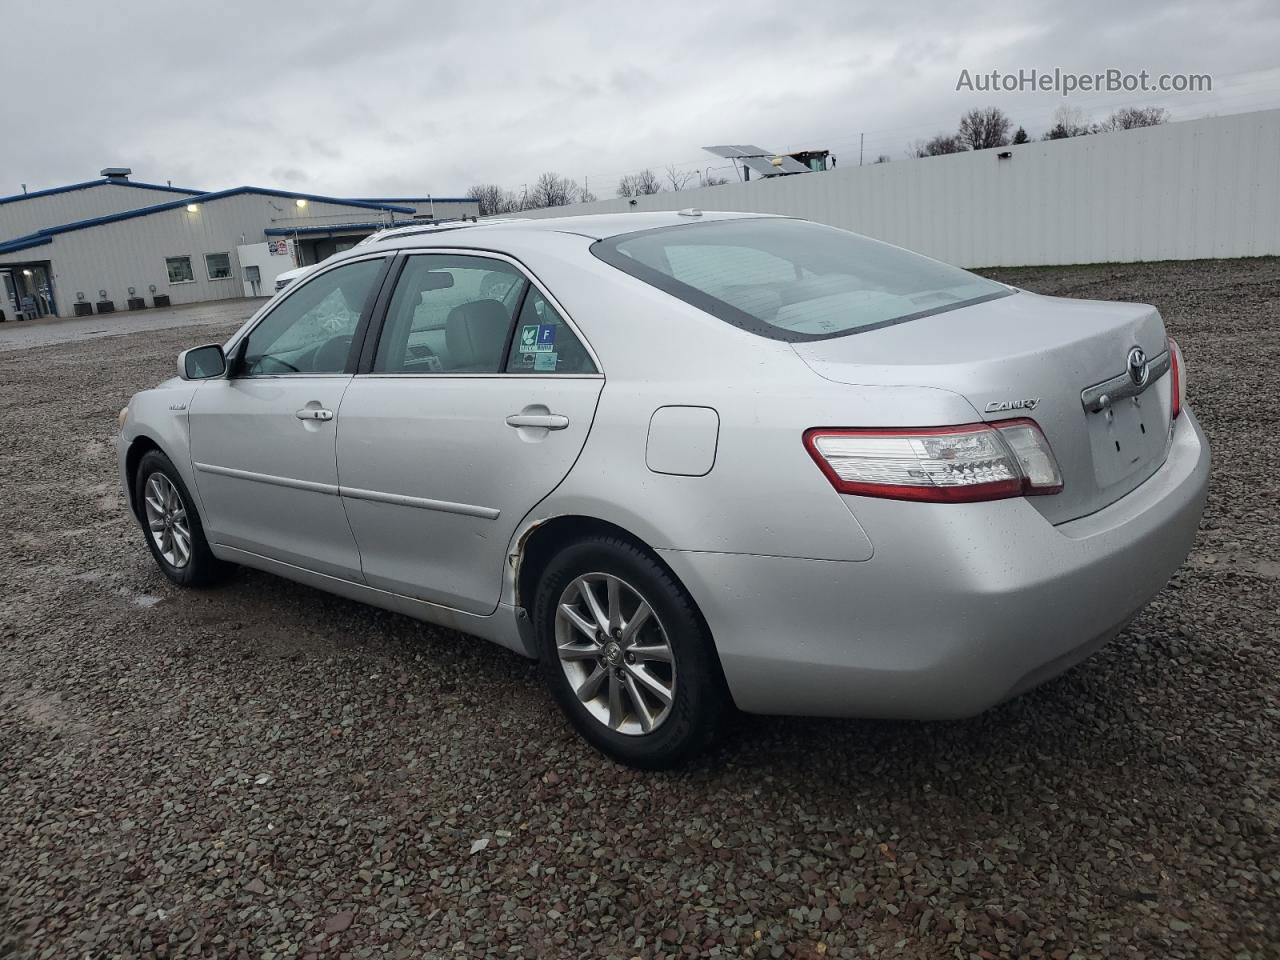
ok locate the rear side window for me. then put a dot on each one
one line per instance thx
(791, 279)
(544, 343)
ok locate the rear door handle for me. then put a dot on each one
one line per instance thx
(550, 421)
(314, 413)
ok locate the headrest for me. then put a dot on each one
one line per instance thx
(475, 334)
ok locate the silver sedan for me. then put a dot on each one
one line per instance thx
(689, 462)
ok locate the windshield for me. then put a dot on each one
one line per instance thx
(792, 279)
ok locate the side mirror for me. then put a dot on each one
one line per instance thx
(202, 363)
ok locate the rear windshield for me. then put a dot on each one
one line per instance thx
(792, 279)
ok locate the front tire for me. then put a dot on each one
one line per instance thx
(172, 526)
(626, 654)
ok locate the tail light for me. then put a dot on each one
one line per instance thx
(1178, 384)
(976, 461)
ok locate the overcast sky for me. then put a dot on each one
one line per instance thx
(406, 98)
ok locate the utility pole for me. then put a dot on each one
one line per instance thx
(861, 137)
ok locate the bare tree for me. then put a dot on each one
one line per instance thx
(1067, 122)
(883, 158)
(1130, 118)
(983, 128)
(551, 190)
(639, 184)
(492, 199)
(711, 180)
(679, 179)
(1020, 136)
(936, 146)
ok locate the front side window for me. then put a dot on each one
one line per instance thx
(218, 265)
(791, 279)
(449, 314)
(312, 329)
(544, 343)
(179, 269)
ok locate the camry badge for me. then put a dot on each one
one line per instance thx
(996, 406)
(1139, 368)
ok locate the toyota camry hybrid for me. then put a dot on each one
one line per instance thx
(689, 462)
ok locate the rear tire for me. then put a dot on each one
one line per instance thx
(635, 671)
(171, 525)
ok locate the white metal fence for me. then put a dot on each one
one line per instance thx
(1180, 191)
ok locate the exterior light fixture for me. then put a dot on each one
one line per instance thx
(132, 291)
(80, 295)
(300, 203)
(153, 288)
(192, 207)
(1004, 155)
(102, 294)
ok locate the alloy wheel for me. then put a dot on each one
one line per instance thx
(615, 653)
(167, 520)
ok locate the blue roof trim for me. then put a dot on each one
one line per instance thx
(34, 239)
(87, 184)
(417, 199)
(24, 243)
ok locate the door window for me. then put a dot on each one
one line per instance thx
(311, 330)
(449, 314)
(544, 343)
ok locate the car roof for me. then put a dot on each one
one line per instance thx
(593, 226)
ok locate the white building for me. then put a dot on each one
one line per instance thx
(114, 244)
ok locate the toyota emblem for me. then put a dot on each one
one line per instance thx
(1139, 369)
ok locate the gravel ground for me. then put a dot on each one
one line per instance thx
(262, 770)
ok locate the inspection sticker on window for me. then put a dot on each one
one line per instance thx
(544, 362)
(546, 337)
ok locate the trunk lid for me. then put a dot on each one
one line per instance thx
(1000, 354)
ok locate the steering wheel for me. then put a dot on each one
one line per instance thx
(332, 354)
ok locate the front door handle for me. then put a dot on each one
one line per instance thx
(314, 413)
(549, 421)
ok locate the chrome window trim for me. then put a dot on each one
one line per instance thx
(533, 280)
(478, 376)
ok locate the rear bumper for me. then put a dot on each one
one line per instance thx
(960, 607)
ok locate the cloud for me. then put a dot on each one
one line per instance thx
(415, 97)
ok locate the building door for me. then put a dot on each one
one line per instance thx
(8, 296)
(34, 291)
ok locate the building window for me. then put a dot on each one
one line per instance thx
(179, 269)
(218, 265)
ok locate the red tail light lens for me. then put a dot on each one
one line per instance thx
(1178, 386)
(962, 464)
